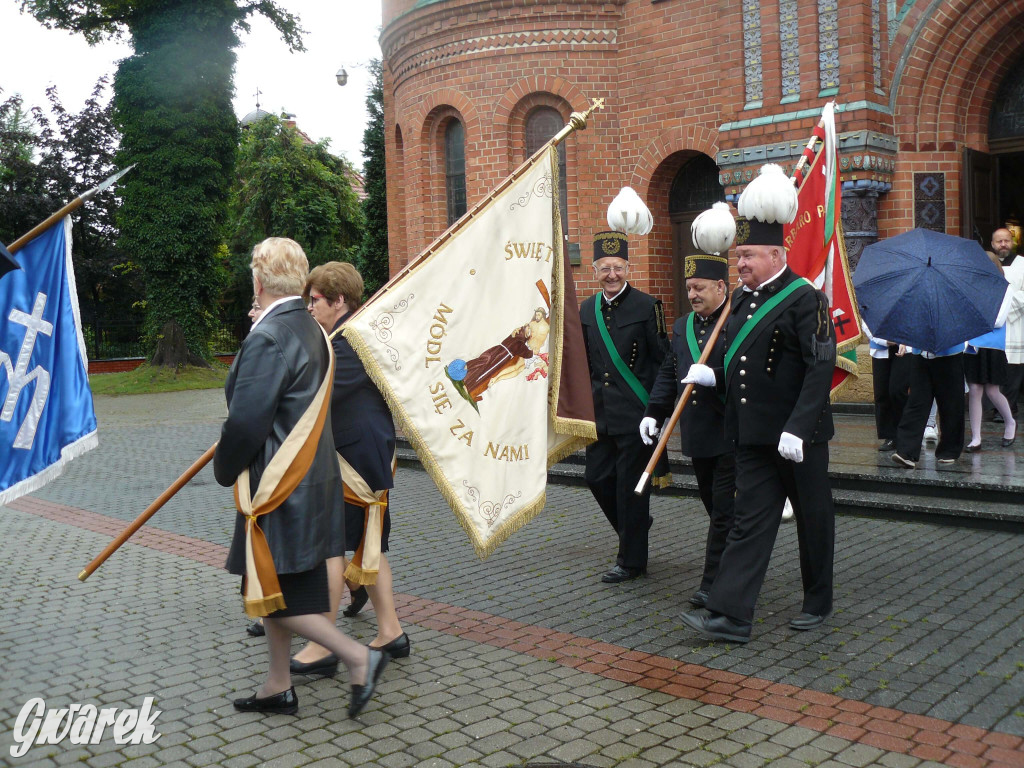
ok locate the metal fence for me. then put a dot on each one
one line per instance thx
(116, 339)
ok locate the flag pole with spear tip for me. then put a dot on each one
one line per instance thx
(670, 425)
(72, 206)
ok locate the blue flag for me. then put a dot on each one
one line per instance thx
(46, 411)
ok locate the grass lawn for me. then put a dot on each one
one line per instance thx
(147, 380)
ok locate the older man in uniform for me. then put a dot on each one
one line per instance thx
(626, 340)
(701, 423)
(776, 377)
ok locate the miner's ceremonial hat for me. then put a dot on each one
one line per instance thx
(611, 244)
(707, 266)
(767, 204)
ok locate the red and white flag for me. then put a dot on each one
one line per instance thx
(816, 247)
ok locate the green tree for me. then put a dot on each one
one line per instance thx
(24, 197)
(373, 250)
(287, 186)
(172, 104)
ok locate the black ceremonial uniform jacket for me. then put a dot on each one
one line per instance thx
(701, 424)
(274, 378)
(364, 432)
(780, 376)
(636, 324)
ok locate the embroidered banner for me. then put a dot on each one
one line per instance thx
(478, 350)
(46, 411)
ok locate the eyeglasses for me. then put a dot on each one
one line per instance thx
(618, 270)
(313, 299)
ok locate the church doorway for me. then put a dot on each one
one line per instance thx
(694, 189)
(993, 195)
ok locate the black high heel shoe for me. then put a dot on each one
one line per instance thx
(359, 598)
(283, 703)
(361, 694)
(399, 648)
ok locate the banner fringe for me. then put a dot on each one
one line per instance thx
(35, 482)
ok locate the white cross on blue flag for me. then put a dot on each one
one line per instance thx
(46, 410)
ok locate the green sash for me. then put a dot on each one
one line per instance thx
(691, 337)
(628, 376)
(756, 318)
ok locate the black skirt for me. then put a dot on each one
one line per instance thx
(986, 367)
(304, 593)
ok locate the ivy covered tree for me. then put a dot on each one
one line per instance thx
(373, 250)
(172, 105)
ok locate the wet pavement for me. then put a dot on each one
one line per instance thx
(525, 658)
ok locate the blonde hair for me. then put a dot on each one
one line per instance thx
(334, 279)
(280, 264)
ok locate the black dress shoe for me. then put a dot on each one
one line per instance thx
(699, 598)
(1008, 441)
(361, 694)
(399, 648)
(807, 621)
(619, 574)
(325, 667)
(283, 703)
(255, 629)
(888, 445)
(359, 598)
(717, 626)
(973, 448)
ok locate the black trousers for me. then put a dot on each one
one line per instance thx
(716, 481)
(763, 482)
(887, 406)
(941, 379)
(1014, 379)
(614, 466)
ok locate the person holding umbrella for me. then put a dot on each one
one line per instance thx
(930, 292)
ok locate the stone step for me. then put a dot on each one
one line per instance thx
(956, 502)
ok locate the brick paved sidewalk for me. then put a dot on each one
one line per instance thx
(523, 658)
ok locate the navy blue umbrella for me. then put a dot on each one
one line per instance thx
(928, 290)
(7, 262)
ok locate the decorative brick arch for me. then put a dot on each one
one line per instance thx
(429, 121)
(679, 139)
(537, 84)
(948, 79)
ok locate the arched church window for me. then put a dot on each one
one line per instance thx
(541, 125)
(455, 169)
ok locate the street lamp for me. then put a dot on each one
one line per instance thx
(341, 76)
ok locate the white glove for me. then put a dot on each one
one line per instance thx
(699, 374)
(791, 447)
(649, 430)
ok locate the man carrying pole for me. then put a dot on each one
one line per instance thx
(776, 376)
(701, 426)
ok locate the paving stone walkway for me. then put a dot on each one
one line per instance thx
(522, 659)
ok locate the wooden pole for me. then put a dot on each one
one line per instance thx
(151, 510)
(666, 431)
(74, 205)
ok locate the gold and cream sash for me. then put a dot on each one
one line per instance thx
(365, 563)
(262, 591)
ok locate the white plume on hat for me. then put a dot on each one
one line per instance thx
(628, 214)
(714, 230)
(770, 198)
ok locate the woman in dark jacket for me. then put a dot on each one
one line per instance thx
(364, 436)
(275, 392)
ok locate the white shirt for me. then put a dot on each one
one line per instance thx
(762, 285)
(613, 298)
(267, 310)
